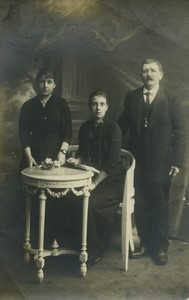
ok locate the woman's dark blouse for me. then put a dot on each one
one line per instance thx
(100, 146)
(43, 129)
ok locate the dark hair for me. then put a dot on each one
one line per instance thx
(48, 72)
(152, 60)
(97, 93)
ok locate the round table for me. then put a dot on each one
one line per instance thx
(61, 180)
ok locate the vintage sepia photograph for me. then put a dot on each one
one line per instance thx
(94, 151)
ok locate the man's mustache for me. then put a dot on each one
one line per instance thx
(148, 77)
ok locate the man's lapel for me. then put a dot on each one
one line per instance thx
(137, 104)
(157, 107)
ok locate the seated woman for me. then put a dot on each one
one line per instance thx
(99, 147)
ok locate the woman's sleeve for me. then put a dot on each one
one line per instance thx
(68, 124)
(24, 127)
(114, 149)
(82, 151)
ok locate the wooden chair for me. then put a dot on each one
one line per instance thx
(126, 207)
(72, 150)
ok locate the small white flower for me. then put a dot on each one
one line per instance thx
(49, 161)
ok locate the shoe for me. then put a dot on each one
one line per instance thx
(160, 257)
(138, 253)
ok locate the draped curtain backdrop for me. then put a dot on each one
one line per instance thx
(106, 40)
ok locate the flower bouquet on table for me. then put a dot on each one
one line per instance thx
(48, 164)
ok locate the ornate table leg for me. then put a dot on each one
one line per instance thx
(27, 244)
(84, 256)
(40, 262)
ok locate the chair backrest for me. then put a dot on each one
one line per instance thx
(126, 208)
(127, 204)
(72, 150)
(129, 163)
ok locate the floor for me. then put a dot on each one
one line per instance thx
(104, 281)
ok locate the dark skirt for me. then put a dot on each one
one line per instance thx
(67, 217)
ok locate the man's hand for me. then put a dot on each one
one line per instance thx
(173, 171)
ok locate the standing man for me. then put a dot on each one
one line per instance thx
(156, 138)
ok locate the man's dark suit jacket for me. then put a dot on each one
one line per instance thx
(165, 135)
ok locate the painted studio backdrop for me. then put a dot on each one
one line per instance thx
(91, 44)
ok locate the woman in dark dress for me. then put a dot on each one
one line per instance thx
(45, 127)
(45, 131)
(100, 147)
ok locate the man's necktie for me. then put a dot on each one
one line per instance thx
(148, 104)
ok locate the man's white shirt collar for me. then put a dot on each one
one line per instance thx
(152, 91)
